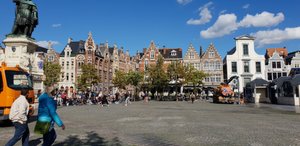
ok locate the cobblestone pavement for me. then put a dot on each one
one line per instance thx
(172, 124)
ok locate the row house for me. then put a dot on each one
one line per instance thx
(106, 60)
(192, 58)
(148, 57)
(171, 55)
(211, 63)
(276, 66)
(293, 59)
(244, 62)
(78, 53)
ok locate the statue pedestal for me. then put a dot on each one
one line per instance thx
(20, 51)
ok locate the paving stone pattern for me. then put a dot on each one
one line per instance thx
(172, 124)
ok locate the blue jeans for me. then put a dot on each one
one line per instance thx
(22, 131)
(49, 138)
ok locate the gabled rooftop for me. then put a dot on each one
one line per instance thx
(281, 51)
(171, 52)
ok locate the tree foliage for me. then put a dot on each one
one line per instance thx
(158, 78)
(194, 76)
(88, 77)
(52, 73)
(134, 78)
(176, 74)
(120, 79)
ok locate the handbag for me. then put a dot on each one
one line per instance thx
(42, 127)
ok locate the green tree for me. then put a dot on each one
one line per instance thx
(194, 76)
(158, 78)
(134, 78)
(88, 77)
(120, 80)
(52, 73)
(176, 74)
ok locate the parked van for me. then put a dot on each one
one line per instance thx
(12, 80)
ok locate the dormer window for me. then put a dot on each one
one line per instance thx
(68, 54)
(82, 50)
(173, 53)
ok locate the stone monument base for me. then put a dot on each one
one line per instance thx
(20, 51)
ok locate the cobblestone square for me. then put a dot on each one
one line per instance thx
(172, 124)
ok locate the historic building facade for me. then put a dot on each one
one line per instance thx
(106, 60)
(293, 59)
(67, 62)
(171, 55)
(244, 62)
(148, 57)
(276, 65)
(212, 64)
(192, 58)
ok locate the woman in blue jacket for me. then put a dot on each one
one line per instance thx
(47, 113)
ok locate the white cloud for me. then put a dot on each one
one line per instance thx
(225, 24)
(263, 19)
(184, 2)
(56, 25)
(45, 43)
(205, 15)
(246, 6)
(276, 36)
(222, 12)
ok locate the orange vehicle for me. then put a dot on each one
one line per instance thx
(12, 80)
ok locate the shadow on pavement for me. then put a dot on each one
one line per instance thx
(92, 139)
(35, 142)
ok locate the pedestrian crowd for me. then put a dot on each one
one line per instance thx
(69, 97)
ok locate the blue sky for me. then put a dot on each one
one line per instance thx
(170, 23)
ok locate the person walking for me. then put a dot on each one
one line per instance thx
(47, 113)
(19, 116)
(127, 98)
(193, 96)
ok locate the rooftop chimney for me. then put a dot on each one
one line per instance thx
(201, 51)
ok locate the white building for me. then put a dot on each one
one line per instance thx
(67, 63)
(276, 66)
(295, 62)
(244, 62)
